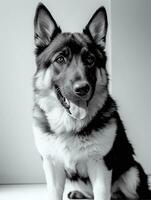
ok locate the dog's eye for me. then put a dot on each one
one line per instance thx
(60, 60)
(90, 59)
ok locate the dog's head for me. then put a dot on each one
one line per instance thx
(73, 65)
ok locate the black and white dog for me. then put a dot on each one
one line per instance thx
(77, 128)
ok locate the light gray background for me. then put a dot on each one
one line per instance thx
(131, 72)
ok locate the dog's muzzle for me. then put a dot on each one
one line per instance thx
(78, 109)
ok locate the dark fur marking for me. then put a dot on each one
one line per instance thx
(76, 195)
(120, 158)
(119, 196)
(74, 176)
(143, 187)
(101, 119)
(42, 121)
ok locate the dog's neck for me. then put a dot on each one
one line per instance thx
(60, 121)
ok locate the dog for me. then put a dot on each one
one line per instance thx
(77, 128)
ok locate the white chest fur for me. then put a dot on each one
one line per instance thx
(73, 150)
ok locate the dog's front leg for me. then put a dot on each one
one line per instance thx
(55, 178)
(100, 178)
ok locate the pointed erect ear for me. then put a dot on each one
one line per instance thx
(45, 26)
(96, 29)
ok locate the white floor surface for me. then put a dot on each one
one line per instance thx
(23, 192)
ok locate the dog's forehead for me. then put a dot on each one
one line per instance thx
(80, 38)
(75, 41)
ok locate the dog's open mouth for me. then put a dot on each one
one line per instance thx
(64, 101)
(78, 110)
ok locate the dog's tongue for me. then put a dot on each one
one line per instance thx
(79, 110)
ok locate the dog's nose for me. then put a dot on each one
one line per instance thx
(81, 88)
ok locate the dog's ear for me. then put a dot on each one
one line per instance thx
(96, 29)
(45, 27)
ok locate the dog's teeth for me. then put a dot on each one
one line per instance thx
(67, 102)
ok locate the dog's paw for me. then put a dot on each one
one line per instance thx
(76, 195)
